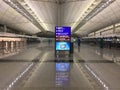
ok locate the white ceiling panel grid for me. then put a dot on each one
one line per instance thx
(108, 16)
(71, 12)
(46, 12)
(13, 19)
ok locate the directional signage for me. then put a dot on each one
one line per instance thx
(62, 33)
(62, 41)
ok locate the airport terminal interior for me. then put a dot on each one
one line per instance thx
(59, 44)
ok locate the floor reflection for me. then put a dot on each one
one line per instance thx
(62, 73)
(107, 54)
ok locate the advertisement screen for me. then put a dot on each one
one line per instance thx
(62, 45)
(62, 67)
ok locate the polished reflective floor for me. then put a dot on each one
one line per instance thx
(35, 68)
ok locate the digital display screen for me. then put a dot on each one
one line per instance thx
(62, 31)
(62, 67)
(62, 45)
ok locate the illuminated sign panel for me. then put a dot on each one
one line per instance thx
(62, 33)
(62, 42)
(62, 45)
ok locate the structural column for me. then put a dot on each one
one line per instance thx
(5, 28)
(100, 33)
(114, 29)
(94, 34)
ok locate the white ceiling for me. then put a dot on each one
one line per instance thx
(11, 18)
(45, 11)
(70, 13)
(108, 16)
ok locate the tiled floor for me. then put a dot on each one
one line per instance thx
(90, 70)
(101, 62)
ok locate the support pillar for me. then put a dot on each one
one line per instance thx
(114, 29)
(5, 28)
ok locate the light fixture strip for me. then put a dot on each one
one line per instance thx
(14, 4)
(17, 6)
(102, 5)
(98, 9)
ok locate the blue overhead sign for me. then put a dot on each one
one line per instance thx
(62, 31)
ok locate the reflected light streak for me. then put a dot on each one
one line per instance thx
(18, 77)
(101, 82)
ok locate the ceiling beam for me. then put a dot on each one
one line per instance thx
(20, 9)
(106, 25)
(101, 6)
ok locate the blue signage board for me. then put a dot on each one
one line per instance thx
(62, 42)
(62, 31)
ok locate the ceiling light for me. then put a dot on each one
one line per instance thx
(19, 8)
(102, 5)
(99, 8)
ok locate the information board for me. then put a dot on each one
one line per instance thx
(62, 41)
(63, 33)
